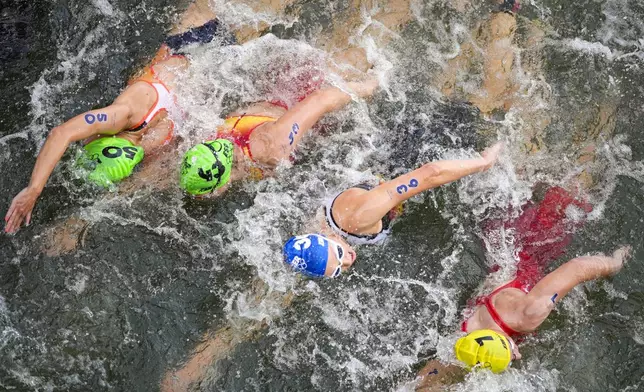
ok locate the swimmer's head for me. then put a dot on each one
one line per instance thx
(206, 167)
(317, 256)
(485, 348)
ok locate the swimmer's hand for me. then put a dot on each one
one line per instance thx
(621, 256)
(365, 88)
(491, 155)
(20, 209)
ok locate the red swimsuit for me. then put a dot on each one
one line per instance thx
(542, 233)
(486, 301)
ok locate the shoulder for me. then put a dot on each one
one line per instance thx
(349, 198)
(265, 147)
(137, 88)
(138, 96)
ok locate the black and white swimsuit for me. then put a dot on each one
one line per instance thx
(356, 239)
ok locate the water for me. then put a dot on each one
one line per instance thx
(155, 271)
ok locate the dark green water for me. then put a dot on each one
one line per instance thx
(157, 271)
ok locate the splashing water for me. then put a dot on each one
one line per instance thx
(154, 272)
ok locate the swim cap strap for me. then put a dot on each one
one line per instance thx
(217, 165)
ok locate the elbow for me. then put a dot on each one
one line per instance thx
(58, 135)
(333, 98)
(61, 136)
(431, 170)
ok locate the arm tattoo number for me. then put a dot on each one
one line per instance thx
(404, 188)
(294, 131)
(91, 118)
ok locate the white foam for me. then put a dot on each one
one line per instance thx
(79, 284)
(104, 6)
(589, 47)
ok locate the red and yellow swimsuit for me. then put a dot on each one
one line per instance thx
(238, 129)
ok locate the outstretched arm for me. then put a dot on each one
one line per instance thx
(542, 298)
(435, 174)
(289, 129)
(370, 207)
(109, 120)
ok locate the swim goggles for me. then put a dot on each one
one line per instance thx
(339, 251)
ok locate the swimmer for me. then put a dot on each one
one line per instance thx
(492, 47)
(512, 310)
(117, 137)
(255, 139)
(362, 215)
(497, 320)
(500, 68)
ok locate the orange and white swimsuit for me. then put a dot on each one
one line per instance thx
(171, 48)
(163, 101)
(164, 98)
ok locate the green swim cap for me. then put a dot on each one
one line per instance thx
(110, 159)
(206, 166)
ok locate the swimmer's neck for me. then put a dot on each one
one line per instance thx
(241, 165)
(326, 230)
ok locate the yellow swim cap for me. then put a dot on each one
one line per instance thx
(485, 347)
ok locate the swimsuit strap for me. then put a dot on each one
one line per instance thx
(357, 239)
(364, 185)
(241, 138)
(256, 172)
(516, 283)
(280, 104)
(497, 318)
(239, 118)
(161, 103)
(487, 302)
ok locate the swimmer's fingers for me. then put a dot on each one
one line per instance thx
(491, 154)
(20, 208)
(13, 217)
(365, 88)
(623, 253)
(9, 213)
(13, 223)
(7, 224)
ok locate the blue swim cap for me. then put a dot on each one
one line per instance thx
(307, 254)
